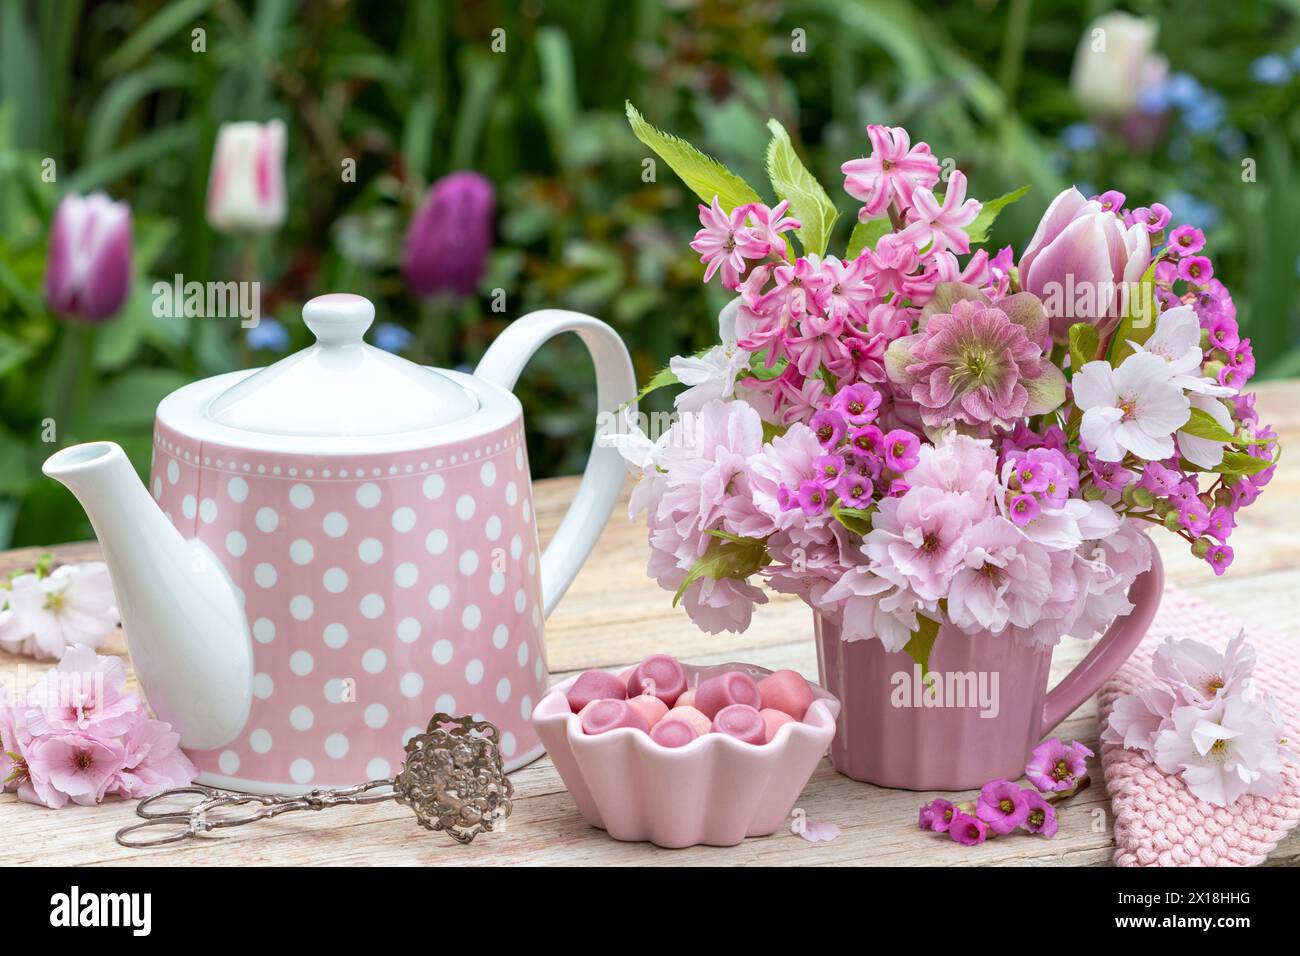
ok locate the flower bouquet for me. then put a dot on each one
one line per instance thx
(934, 445)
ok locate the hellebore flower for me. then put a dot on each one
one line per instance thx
(88, 265)
(1081, 259)
(449, 239)
(246, 186)
(979, 365)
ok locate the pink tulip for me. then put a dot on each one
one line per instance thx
(246, 185)
(88, 266)
(449, 239)
(1080, 260)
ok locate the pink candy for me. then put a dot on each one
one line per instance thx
(787, 692)
(673, 733)
(724, 690)
(653, 697)
(660, 675)
(594, 685)
(651, 708)
(742, 722)
(602, 716)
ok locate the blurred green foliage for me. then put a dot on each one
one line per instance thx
(114, 93)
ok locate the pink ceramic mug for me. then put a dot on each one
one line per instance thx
(888, 736)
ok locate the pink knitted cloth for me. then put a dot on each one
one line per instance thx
(1157, 820)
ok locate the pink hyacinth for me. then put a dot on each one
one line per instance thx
(726, 242)
(939, 227)
(894, 170)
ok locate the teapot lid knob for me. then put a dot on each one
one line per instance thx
(339, 318)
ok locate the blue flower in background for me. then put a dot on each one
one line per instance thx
(268, 334)
(1079, 137)
(1272, 68)
(1206, 114)
(392, 337)
(1186, 208)
(1183, 90)
(1154, 99)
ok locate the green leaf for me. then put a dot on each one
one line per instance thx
(922, 641)
(662, 378)
(727, 558)
(1240, 463)
(1084, 340)
(857, 520)
(808, 200)
(702, 173)
(865, 235)
(979, 229)
(1201, 424)
(772, 432)
(1138, 321)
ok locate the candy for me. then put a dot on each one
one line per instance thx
(774, 720)
(686, 698)
(673, 733)
(651, 708)
(723, 690)
(594, 685)
(660, 675)
(602, 716)
(742, 722)
(786, 691)
(699, 723)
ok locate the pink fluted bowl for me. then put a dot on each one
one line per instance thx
(716, 790)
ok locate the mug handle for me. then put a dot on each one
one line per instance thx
(1111, 651)
(603, 479)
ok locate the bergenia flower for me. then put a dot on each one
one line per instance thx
(936, 815)
(1186, 241)
(726, 241)
(893, 171)
(1041, 816)
(1002, 805)
(968, 830)
(449, 240)
(46, 615)
(858, 404)
(246, 185)
(979, 366)
(88, 261)
(1134, 408)
(1055, 765)
(1222, 751)
(937, 227)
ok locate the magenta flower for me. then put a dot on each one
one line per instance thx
(726, 241)
(769, 224)
(1041, 818)
(937, 815)
(829, 469)
(902, 450)
(1195, 269)
(88, 262)
(894, 170)
(449, 239)
(855, 490)
(857, 403)
(1155, 217)
(1056, 765)
(1219, 557)
(849, 294)
(812, 497)
(1024, 509)
(935, 227)
(1002, 805)
(968, 830)
(979, 366)
(1186, 240)
(829, 427)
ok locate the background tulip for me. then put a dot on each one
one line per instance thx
(1078, 258)
(246, 185)
(1115, 63)
(449, 239)
(88, 265)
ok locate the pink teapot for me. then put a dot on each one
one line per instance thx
(336, 546)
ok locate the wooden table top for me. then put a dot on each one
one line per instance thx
(614, 615)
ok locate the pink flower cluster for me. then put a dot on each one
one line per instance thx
(79, 736)
(901, 436)
(1055, 768)
(1203, 722)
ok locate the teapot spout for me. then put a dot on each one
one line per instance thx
(184, 623)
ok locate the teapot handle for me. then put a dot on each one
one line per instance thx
(603, 479)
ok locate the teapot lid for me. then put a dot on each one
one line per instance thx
(341, 386)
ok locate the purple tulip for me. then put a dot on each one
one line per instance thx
(1079, 260)
(88, 266)
(449, 239)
